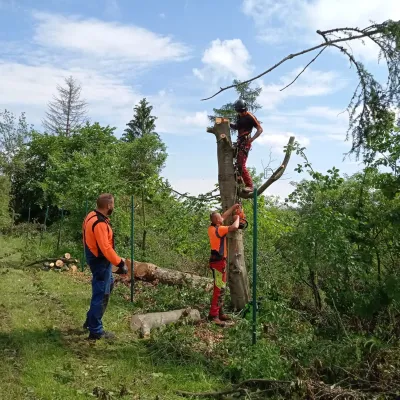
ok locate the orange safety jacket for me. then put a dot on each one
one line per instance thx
(217, 235)
(98, 240)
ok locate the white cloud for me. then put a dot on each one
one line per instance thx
(106, 40)
(311, 83)
(31, 87)
(225, 59)
(199, 119)
(278, 140)
(288, 20)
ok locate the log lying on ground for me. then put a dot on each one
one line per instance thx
(149, 272)
(144, 323)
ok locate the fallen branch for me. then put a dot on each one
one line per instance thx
(275, 176)
(210, 394)
(144, 323)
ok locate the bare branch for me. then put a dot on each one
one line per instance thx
(297, 77)
(275, 176)
(290, 56)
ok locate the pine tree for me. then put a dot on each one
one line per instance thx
(143, 123)
(67, 112)
(246, 93)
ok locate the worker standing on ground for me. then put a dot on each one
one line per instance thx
(217, 235)
(98, 239)
(244, 125)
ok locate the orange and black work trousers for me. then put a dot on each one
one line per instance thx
(244, 146)
(218, 269)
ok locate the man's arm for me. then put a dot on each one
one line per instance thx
(229, 211)
(235, 226)
(101, 235)
(258, 133)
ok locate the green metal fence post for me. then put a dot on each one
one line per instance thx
(83, 252)
(27, 227)
(132, 251)
(255, 267)
(59, 230)
(44, 225)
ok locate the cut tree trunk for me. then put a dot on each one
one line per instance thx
(144, 323)
(151, 273)
(237, 274)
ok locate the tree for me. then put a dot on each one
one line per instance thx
(67, 112)
(230, 194)
(246, 93)
(143, 123)
(13, 135)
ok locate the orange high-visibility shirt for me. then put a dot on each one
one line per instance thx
(100, 239)
(217, 235)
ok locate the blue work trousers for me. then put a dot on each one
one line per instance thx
(102, 285)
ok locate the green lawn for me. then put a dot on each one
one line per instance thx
(46, 355)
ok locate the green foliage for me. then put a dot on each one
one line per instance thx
(142, 124)
(5, 187)
(246, 93)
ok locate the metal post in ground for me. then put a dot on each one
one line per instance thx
(44, 225)
(27, 226)
(83, 259)
(59, 230)
(254, 267)
(132, 250)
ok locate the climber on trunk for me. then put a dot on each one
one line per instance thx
(217, 235)
(245, 123)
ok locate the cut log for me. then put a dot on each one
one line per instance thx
(67, 256)
(149, 272)
(144, 323)
(46, 265)
(53, 260)
(59, 263)
(52, 265)
(73, 268)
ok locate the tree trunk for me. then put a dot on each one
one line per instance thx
(145, 322)
(237, 274)
(152, 273)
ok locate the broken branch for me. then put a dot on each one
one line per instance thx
(290, 56)
(297, 77)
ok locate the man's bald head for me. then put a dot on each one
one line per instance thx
(105, 203)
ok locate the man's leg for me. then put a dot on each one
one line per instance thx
(242, 159)
(217, 301)
(101, 285)
(106, 298)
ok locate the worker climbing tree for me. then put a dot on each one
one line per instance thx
(245, 123)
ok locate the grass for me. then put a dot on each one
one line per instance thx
(47, 355)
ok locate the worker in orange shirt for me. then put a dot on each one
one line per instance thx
(98, 240)
(217, 235)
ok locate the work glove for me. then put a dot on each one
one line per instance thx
(122, 268)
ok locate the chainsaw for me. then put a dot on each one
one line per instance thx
(243, 224)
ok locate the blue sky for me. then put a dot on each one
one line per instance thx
(175, 53)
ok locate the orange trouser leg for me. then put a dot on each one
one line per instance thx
(218, 269)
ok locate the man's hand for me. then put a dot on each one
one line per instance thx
(122, 269)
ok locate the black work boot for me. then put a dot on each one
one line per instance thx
(103, 335)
